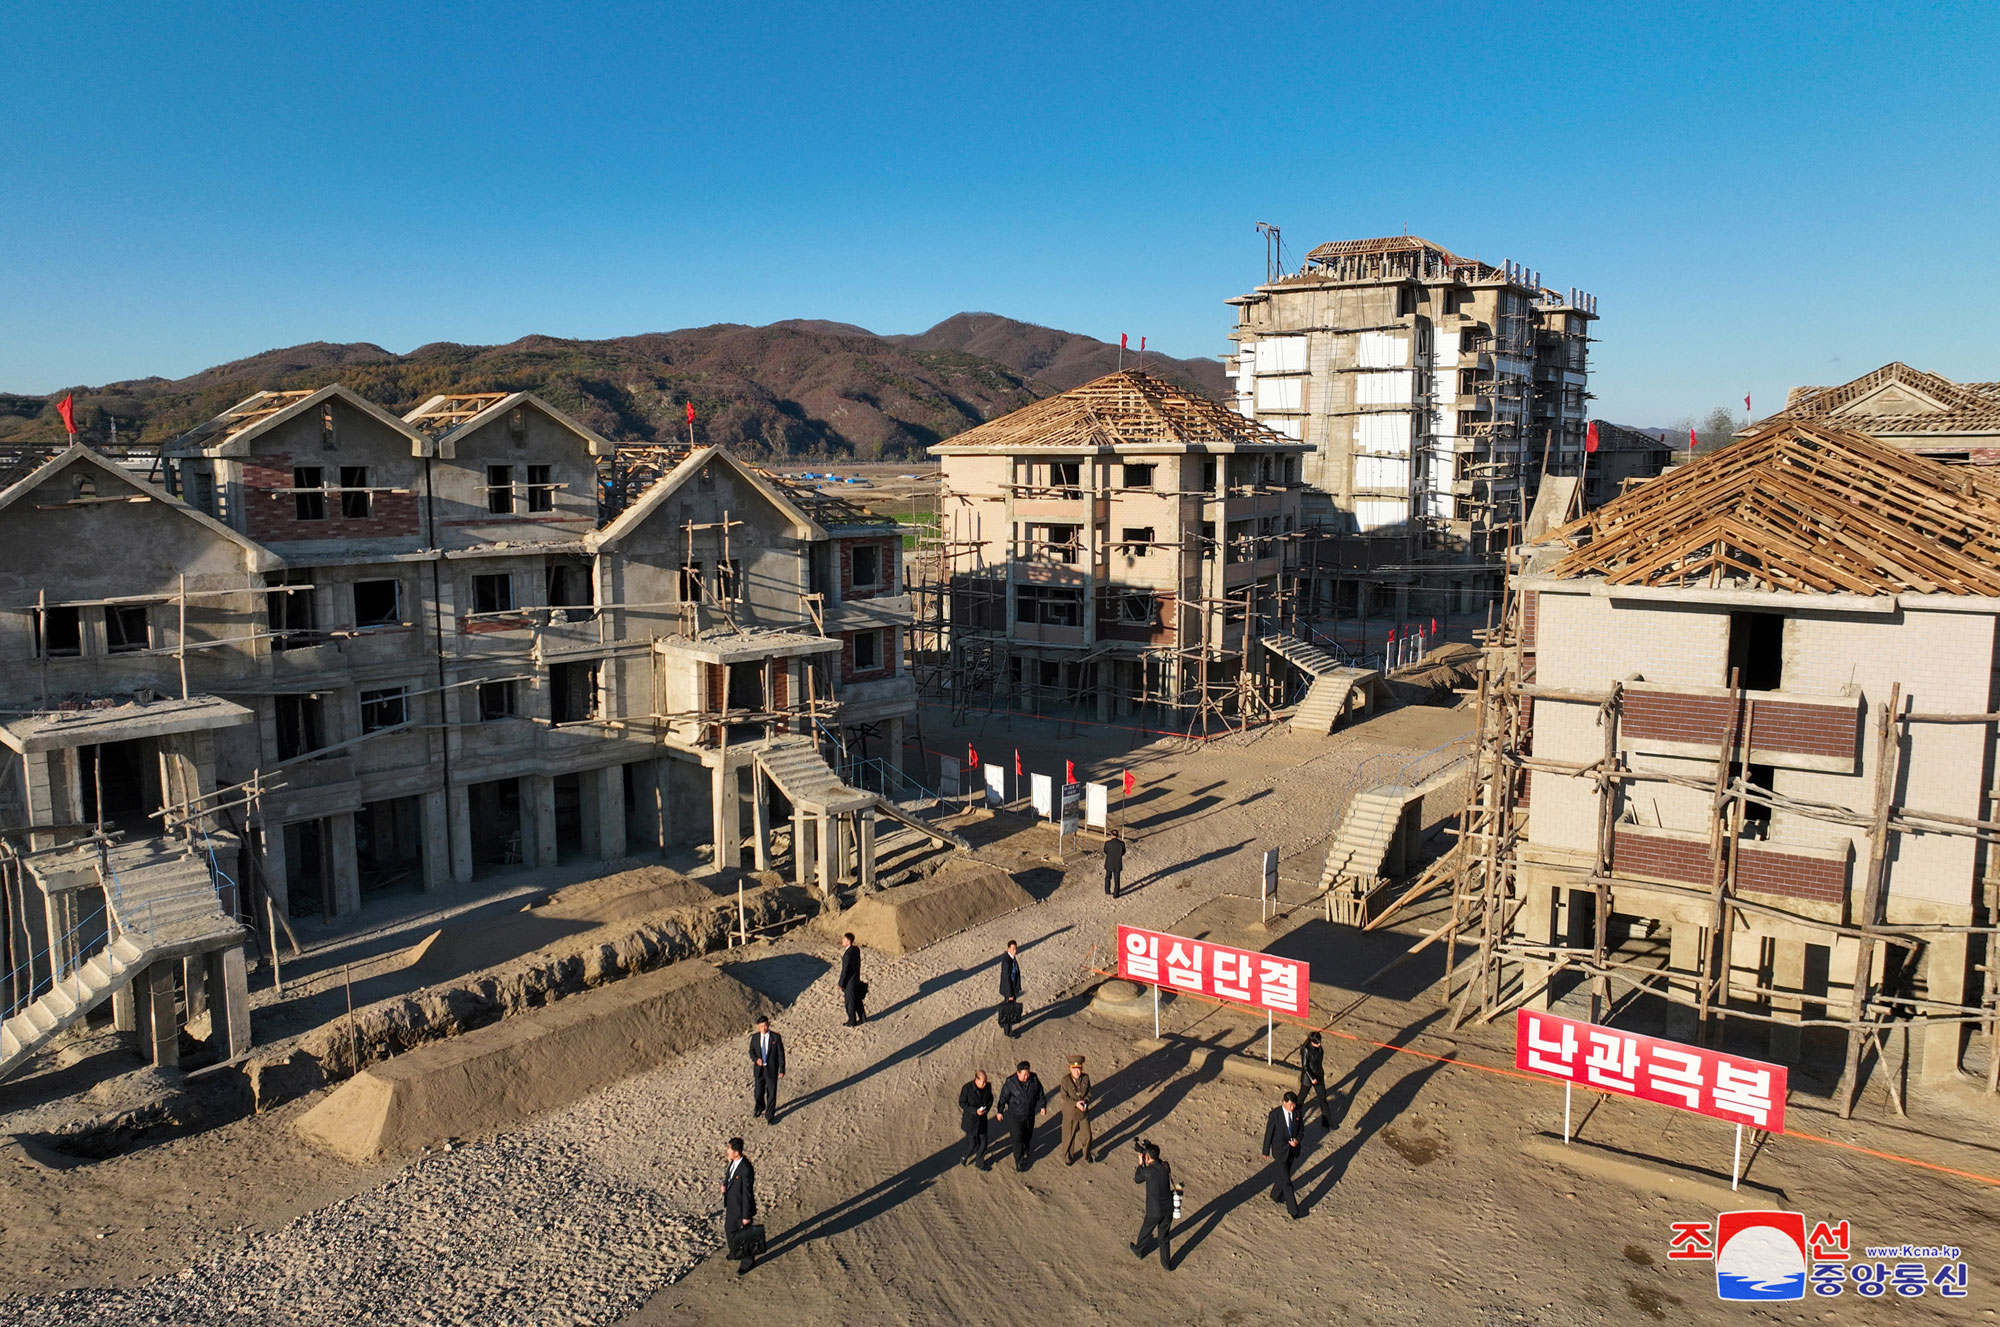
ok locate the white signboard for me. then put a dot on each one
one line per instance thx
(1270, 873)
(996, 785)
(948, 785)
(1097, 805)
(1070, 798)
(1042, 791)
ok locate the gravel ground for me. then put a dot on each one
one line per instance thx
(587, 1213)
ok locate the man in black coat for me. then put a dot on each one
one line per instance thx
(1158, 1178)
(1114, 864)
(852, 988)
(1021, 1102)
(1282, 1133)
(739, 1204)
(1010, 989)
(767, 1066)
(1312, 1077)
(975, 1113)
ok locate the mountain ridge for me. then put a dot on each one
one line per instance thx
(793, 388)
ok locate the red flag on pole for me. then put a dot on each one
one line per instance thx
(971, 756)
(1017, 762)
(690, 412)
(1434, 626)
(1693, 441)
(1124, 341)
(1590, 437)
(1069, 771)
(1129, 783)
(1142, 343)
(67, 409)
(1746, 403)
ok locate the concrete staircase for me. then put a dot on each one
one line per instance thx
(1360, 849)
(1336, 688)
(161, 905)
(808, 782)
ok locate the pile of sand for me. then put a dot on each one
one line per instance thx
(961, 895)
(1448, 668)
(500, 1075)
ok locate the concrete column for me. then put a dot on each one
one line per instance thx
(604, 812)
(436, 812)
(760, 820)
(160, 1032)
(802, 846)
(1684, 942)
(194, 981)
(1788, 973)
(346, 864)
(458, 826)
(728, 833)
(1937, 1046)
(829, 856)
(538, 820)
(124, 1010)
(1538, 928)
(1103, 673)
(228, 1003)
(661, 801)
(867, 850)
(894, 728)
(271, 867)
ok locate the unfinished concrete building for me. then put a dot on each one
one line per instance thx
(1123, 545)
(1957, 423)
(1433, 391)
(367, 653)
(1737, 759)
(1623, 456)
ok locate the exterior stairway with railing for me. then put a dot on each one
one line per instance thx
(162, 907)
(1336, 687)
(808, 782)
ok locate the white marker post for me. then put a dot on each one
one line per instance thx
(1269, 1019)
(1156, 1011)
(1566, 1095)
(1736, 1166)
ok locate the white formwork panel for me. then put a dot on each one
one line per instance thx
(1382, 473)
(1381, 350)
(1375, 513)
(1386, 434)
(1383, 388)
(1281, 393)
(1281, 354)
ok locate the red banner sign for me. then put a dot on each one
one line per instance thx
(1240, 976)
(1672, 1073)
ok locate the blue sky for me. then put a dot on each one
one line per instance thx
(1760, 195)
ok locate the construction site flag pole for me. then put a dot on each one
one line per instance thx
(1156, 1011)
(1270, 1020)
(1736, 1166)
(1566, 1097)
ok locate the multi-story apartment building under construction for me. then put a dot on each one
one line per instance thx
(1435, 391)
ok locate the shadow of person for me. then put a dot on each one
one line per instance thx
(1167, 1065)
(1341, 1093)
(930, 1041)
(870, 1203)
(1380, 1112)
(1062, 1008)
(932, 985)
(1165, 871)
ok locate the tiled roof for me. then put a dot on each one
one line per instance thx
(1126, 409)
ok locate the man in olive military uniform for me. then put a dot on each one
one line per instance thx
(1074, 1089)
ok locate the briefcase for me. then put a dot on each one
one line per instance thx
(746, 1242)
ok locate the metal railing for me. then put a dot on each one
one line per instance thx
(877, 775)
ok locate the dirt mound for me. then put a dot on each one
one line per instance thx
(960, 896)
(472, 947)
(1434, 679)
(501, 1075)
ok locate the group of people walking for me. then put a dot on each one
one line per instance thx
(1021, 1102)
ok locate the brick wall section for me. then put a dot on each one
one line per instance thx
(1531, 609)
(272, 516)
(1760, 867)
(1807, 730)
(891, 641)
(718, 687)
(781, 683)
(891, 558)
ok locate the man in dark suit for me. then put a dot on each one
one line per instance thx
(1114, 864)
(1010, 989)
(852, 988)
(767, 1066)
(1159, 1181)
(1022, 1101)
(1312, 1077)
(975, 1112)
(739, 1204)
(1282, 1132)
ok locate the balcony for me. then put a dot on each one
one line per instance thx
(1789, 870)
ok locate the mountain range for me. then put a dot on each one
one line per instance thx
(796, 388)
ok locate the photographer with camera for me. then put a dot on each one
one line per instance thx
(1163, 1201)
